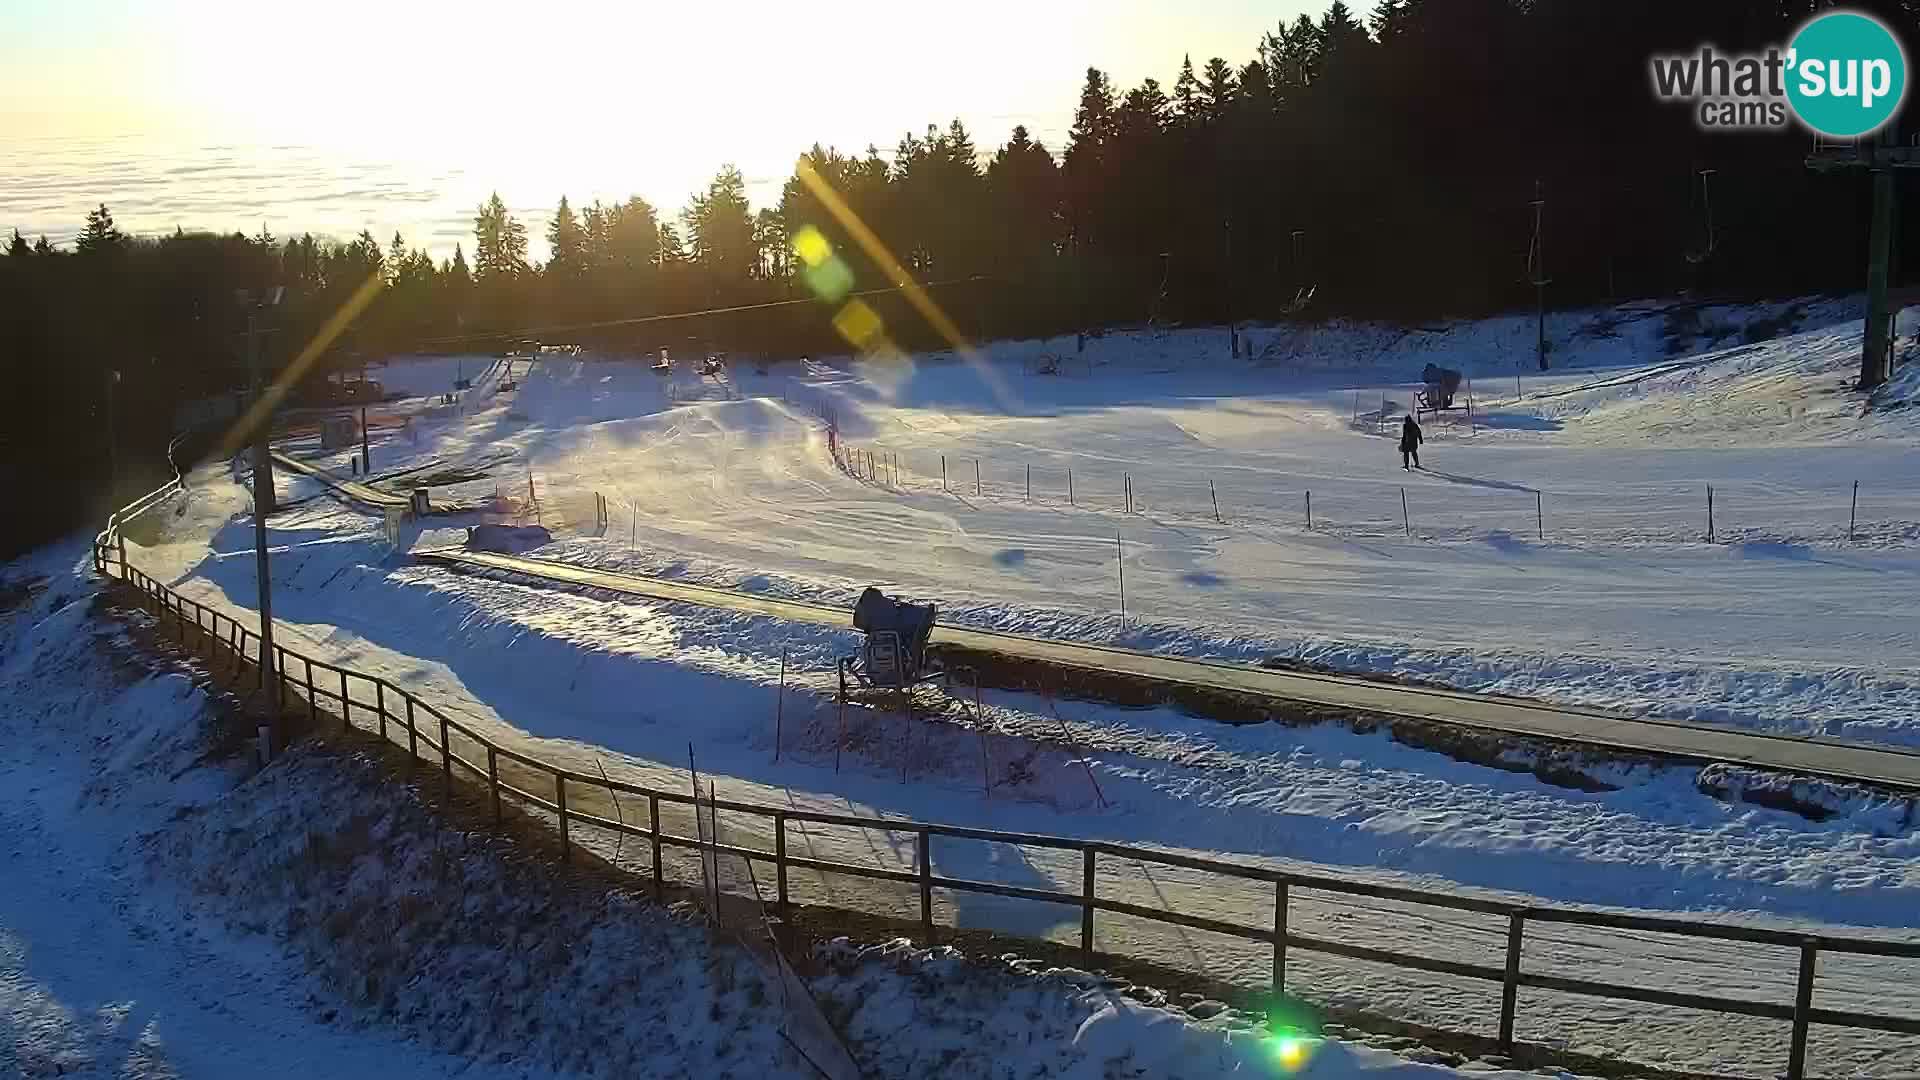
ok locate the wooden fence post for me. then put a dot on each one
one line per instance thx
(380, 703)
(346, 704)
(493, 782)
(780, 862)
(1510, 985)
(313, 703)
(1120, 564)
(1802, 1005)
(1086, 907)
(1279, 938)
(560, 802)
(653, 833)
(923, 854)
(413, 736)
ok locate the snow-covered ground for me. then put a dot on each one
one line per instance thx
(1556, 549)
(1780, 624)
(170, 911)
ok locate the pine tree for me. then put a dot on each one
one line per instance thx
(962, 157)
(567, 258)
(1186, 92)
(1342, 38)
(720, 226)
(1217, 89)
(1025, 186)
(367, 257)
(1388, 21)
(397, 259)
(1085, 162)
(1092, 120)
(671, 250)
(499, 242)
(101, 236)
(632, 234)
(41, 247)
(456, 271)
(19, 246)
(593, 236)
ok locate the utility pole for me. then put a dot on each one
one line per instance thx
(271, 732)
(1537, 265)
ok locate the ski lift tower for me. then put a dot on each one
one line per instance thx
(1879, 155)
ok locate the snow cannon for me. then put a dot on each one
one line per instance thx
(894, 654)
(1442, 384)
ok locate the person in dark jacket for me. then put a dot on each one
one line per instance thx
(1410, 440)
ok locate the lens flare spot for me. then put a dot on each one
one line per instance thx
(1292, 1053)
(830, 280)
(858, 323)
(812, 246)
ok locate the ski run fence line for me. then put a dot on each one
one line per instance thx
(460, 754)
(1495, 510)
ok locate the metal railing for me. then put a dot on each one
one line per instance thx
(394, 712)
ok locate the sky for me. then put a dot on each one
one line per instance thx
(591, 99)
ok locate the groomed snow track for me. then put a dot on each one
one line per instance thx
(1832, 759)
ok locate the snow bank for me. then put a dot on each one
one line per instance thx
(1011, 1019)
(389, 942)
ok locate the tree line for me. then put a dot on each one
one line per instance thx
(1424, 159)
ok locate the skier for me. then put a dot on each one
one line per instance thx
(1410, 440)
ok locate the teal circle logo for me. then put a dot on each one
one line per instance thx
(1847, 74)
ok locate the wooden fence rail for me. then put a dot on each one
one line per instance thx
(195, 624)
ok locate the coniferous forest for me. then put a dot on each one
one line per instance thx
(1389, 163)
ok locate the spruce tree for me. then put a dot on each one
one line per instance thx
(567, 256)
(1186, 91)
(101, 235)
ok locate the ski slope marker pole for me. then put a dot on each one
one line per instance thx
(1539, 516)
(1309, 511)
(1215, 495)
(1405, 521)
(1853, 512)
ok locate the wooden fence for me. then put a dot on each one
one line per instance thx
(396, 713)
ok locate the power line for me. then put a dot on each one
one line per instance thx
(641, 320)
